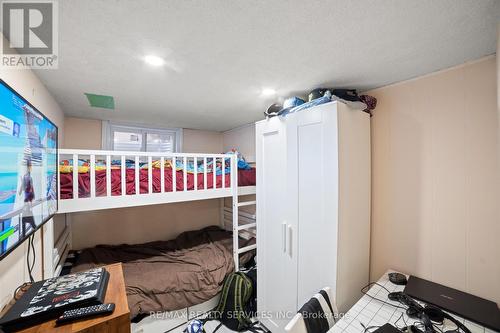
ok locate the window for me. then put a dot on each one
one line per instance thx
(123, 137)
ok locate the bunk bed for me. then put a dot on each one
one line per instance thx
(93, 180)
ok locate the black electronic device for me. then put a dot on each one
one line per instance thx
(414, 310)
(398, 278)
(387, 328)
(473, 308)
(48, 299)
(427, 314)
(83, 313)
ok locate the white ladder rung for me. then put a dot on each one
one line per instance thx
(247, 226)
(247, 248)
(228, 210)
(247, 234)
(246, 203)
(241, 219)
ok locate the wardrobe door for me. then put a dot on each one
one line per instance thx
(277, 288)
(314, 176)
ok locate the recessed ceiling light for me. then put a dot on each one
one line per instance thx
(268, 92)
(154, 60)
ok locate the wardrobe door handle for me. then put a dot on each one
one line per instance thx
(283, 236)
(289, 240)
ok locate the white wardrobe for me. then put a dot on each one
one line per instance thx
(313, 209)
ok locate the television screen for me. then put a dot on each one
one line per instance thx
(28, 174)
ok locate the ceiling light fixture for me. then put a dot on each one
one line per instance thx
(268, 92)
(154, 60)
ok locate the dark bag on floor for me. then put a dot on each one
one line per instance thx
(251, 306)
(232, 308)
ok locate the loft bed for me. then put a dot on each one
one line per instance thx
(109, 179)
(97, 179)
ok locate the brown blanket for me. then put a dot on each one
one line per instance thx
(168, 275)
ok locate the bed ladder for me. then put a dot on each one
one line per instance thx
(248, 219)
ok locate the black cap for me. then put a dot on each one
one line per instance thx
(273, 110)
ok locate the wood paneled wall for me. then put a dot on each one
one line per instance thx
(435, 188)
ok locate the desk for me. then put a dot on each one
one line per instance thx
(118, 321)
(370, 312)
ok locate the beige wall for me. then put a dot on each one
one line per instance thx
(82, 133)
(140, 224)
(197, 141)
(435, 190)
(498, 88)
(242, 139)
(13, 267)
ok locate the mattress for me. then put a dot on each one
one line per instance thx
(169, 275)
(245, 178)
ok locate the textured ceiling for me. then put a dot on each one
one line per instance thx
(220, 54)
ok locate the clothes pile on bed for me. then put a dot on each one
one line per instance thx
(66, 166)
(169, 275)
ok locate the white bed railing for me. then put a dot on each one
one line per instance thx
(178, 191)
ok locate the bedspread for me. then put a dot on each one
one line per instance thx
(169, 275)
(245, 178)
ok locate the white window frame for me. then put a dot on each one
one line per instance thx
(109, 126)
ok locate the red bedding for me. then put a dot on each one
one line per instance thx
(245, 178)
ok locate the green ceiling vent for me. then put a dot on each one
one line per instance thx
(101, 101)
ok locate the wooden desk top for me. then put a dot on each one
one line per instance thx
(118, 321)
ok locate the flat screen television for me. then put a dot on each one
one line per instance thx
(28, 169)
